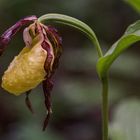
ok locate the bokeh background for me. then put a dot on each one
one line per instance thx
(76, 96)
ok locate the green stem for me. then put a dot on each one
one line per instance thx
(70, 21)
(105, 107)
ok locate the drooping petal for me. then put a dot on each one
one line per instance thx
(54, 50)
(47, 88)
(8, 34)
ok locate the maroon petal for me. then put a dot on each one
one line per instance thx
(47, 65)
(47, 88)
(8, 34)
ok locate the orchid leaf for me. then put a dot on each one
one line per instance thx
(131, 36)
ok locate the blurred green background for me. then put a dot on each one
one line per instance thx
(76, 96)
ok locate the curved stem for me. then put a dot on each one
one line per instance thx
(70, 21)
(105, 107)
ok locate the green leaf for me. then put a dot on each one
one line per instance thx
(125, 124)
(131, 36)
(135, 4)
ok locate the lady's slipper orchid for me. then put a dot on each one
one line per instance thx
(36, 62)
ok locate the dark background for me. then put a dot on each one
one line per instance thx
(76, 95)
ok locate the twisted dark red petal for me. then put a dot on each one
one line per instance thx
(8, 34)
(47, 88)
(49, 58)
(56, 42)
(52, 45)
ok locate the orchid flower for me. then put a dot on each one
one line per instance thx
(35, 64)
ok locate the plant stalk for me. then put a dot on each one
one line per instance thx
(105, 108)
(73, 22)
